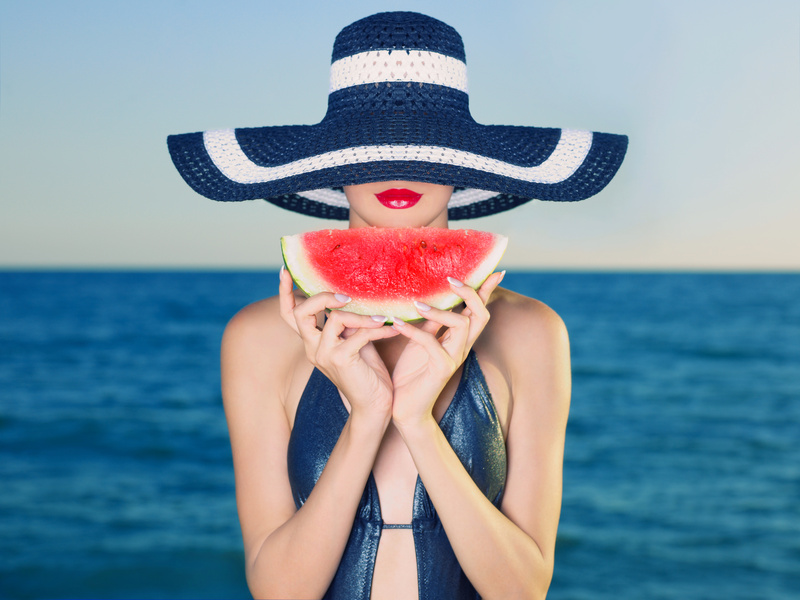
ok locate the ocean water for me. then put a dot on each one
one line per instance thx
(682, 466)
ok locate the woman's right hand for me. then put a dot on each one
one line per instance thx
(343, 348)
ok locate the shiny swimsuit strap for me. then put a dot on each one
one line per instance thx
(396, 526)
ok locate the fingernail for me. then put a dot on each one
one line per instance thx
(502, 274)
(280, 275)
(397, 322)
(379, 318)
(342, 297)
(455, 282)
(422, 306)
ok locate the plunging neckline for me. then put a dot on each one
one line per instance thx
(419, 487)
(470, 424)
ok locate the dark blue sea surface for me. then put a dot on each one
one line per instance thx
(682, 466)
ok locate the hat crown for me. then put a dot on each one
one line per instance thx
(398, 63)
(398, 31)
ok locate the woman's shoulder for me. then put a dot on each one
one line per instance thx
(526, 338)
(260, 321)
(258, 340)
(519, 320)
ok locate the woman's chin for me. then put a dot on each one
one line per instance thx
(402, 217)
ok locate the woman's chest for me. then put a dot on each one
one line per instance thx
(492, 373)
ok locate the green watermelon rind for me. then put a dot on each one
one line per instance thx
(298, 266)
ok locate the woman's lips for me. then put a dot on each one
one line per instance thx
(401, 198)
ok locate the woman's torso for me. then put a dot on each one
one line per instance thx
(393, 489)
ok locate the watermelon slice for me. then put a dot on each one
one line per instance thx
(384, 270)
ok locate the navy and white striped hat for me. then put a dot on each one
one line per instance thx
(398, 109)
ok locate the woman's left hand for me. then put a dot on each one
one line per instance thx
(428, 362)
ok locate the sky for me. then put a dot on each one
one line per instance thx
(707, 90)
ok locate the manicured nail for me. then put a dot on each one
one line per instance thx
(280, 275)
(379, 318)
(398, 322)
(342, 297)
(455, 282)
(421, 306)
(502, 274)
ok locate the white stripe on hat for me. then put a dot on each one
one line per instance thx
(411, 66)
(469, 196)
(226, 154)
(326, 196)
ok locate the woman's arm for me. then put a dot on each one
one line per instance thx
(508, 554)
(289, 553)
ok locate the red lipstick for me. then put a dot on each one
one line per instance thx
(398, 198)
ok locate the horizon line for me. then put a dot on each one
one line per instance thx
(512, 269)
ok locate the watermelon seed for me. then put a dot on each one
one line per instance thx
(423, 245)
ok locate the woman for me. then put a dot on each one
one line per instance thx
(411, 460)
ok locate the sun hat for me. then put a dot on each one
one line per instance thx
(398, 109)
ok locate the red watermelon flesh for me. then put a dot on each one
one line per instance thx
(385, 269)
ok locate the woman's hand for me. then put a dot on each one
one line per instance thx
(428, 362)
(343, 348)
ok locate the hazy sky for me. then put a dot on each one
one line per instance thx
(708, 91)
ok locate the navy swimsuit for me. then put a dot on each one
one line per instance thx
(472, 428)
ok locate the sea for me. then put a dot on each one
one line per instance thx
(682, 463)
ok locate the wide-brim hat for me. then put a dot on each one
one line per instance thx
(398, 109)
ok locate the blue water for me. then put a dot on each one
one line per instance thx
(682, 467)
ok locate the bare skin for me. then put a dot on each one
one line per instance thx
(397, 382)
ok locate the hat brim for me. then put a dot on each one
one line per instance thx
(303, 167)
